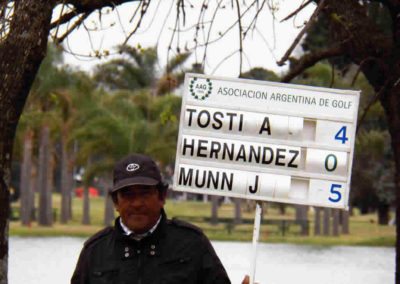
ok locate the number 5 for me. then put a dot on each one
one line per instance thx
(335, 192)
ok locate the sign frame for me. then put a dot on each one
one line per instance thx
(328, 118)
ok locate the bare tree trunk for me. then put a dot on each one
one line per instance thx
(214, 209)
(326, 225)
(345, 222)
(282, 208)
(302, 219)
(21, 52)
(335, 228)
(86, 205)
(71, 183)
(45, 212)
(108, 210)
(26, 180)
(238, 210)
(35, 189)
(65, 184)
(317, 221)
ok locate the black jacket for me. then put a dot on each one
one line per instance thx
(177, 252)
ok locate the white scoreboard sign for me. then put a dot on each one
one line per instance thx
(266, 141)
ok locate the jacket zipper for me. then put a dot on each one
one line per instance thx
(140, 268)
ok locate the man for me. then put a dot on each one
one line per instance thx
(144, 246)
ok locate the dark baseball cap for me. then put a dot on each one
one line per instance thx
(135, 169)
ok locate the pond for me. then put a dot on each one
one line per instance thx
(52, 260)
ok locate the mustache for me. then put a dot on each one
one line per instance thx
(137, 212)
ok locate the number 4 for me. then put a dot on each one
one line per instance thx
(341, 135)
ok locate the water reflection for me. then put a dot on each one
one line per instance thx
(52, 260)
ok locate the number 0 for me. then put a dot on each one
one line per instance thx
(332, 167)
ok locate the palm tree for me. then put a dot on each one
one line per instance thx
(43, 106)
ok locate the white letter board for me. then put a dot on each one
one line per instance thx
(266, 141)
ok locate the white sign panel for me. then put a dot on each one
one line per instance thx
(266, 141)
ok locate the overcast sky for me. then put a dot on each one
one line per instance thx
(262, 47)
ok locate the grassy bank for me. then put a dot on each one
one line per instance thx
(364, 229)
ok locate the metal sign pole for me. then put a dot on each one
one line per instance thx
(256, 236)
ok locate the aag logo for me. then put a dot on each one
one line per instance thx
(200, 88)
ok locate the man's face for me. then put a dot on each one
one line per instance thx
(139, 207)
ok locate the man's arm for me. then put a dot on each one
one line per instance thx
(213, 271)
(81, 272)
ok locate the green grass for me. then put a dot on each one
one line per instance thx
(364, 230)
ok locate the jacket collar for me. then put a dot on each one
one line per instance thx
(158, 231)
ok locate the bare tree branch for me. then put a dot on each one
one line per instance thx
(209, 32)
(310, 59)
(254, 21)
(71, 29)
(303, 31)
(144, 6)
(371, 103)
(91, 5)
(64, 19)
(295, 12)
(240, 38)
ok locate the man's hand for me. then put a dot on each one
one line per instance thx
(246, 280)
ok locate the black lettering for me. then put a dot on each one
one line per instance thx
(211, 179)
(228, 152)
(231, 116)
(228, 182)
(279, 156)
(187, 145)
(207, 115)
(191, 111)
(271, 155)
(265, 126)
(255, 188)
(241, 122)
(215, 148)
(296, 153)
(218, 122)
(202, 147)
(334, 165)
(185, 179)
(254, 154)
(203, 182)
(241, 154)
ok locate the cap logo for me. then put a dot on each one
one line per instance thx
(132, 167)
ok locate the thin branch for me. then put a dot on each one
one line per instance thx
(71, 29)
(223, 60)
(370, 104)
(303, 31)
(209, 31)
(360, 65)
(221, 35)
(296, 11)
(61, 12)
(240, 38)
(144, 6)
(310, 59)
(332, 76)
(134, 13)
(253, 22)
(64, 19)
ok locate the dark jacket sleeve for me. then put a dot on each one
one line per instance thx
(213, 271)
(81, 272)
